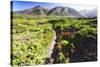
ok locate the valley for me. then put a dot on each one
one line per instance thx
(52, 39)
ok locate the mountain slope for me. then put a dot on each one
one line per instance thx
(38, 10)
(89, 13)
(64, 11)
(92, 13)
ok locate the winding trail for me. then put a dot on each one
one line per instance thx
(52, 43)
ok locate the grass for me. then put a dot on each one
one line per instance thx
(31, 36)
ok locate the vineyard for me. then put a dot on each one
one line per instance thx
(76, 39)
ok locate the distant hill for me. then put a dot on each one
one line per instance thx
(38, 10)
(64, 11)
(89, 13)
(84, 12)
(59, 11)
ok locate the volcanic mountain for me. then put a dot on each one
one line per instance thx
(64, 11)
(38, 10)
(57, 11)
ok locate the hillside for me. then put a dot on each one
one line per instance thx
(64, 11)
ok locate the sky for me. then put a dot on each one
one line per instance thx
(22, 5)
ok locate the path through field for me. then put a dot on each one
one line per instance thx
(51, 46)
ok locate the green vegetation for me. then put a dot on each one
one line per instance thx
(79, 34)
(31, 37)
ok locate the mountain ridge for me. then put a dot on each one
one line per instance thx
(56, 11)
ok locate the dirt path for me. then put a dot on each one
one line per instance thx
(51, 46)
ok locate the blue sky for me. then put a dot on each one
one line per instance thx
(22, 5)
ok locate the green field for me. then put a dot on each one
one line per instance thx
(31, 37)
